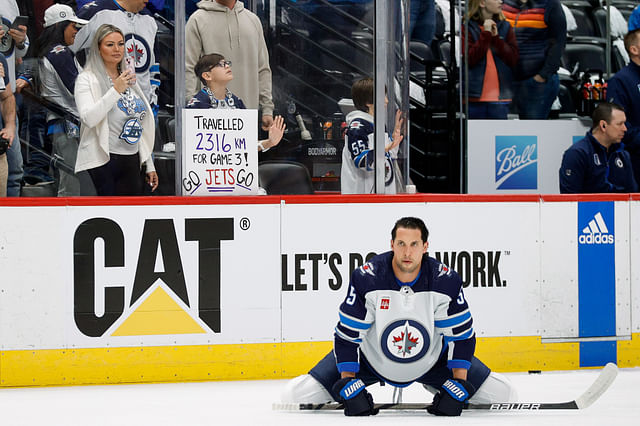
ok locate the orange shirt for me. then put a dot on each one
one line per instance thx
(491, 83)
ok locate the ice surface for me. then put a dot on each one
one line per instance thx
(249, 403)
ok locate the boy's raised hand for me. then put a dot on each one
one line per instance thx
(397, 135)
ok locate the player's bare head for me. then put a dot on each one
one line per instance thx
(362, 93)
(604, 112)
(631, 39)
(205, 64)
(411, 223)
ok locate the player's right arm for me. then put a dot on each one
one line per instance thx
(353, 324)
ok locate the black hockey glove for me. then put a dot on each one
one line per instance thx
(451, 398)
(357, 401)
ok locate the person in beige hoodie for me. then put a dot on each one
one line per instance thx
(227, 28)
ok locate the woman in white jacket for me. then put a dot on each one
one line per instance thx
(117, 126)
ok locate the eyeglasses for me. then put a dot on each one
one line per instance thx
(222, 64)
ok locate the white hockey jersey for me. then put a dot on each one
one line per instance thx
(404, 328)
(357, 172)
(139, 32)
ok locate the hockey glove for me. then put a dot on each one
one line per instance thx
(451, 398)
(357, 401)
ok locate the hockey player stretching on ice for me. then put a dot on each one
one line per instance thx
(405, 319)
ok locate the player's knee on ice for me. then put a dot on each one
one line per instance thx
(304, 389)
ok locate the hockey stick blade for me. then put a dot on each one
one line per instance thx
(597, 388)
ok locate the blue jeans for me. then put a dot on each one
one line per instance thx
(488, 110)
(14, 158)
(422, 20)
(534, 99)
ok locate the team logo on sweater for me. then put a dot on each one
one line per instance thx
(516, 162)
(405, 341)
(138, 48)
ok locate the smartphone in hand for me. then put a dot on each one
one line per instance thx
(20, 20)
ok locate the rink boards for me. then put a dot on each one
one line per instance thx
(224, 288)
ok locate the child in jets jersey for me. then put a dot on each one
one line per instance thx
(357, 174)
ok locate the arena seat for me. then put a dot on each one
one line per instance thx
(421, 50)
(283, 177)
(584, 22)
(586, 56)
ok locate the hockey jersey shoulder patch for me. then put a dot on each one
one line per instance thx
(443, 270)
(367, 269)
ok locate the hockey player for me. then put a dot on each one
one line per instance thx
(139, 29)
(405, 319)
(357, 172)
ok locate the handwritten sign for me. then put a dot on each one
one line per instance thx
(220, 152)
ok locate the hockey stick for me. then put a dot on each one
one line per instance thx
(597, 388)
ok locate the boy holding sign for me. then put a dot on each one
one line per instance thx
(215, 74)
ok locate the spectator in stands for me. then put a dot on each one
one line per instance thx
(140, 30)
(422, 20)
(58, 72)
(214, 72)
(623, 90)
(7, 123)
(492, 56)
(541, 33)
(227, 28)
(117, 127)
(18, 44)
(357, 174)
(598, 162)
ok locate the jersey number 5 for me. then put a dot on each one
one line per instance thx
(351, 299)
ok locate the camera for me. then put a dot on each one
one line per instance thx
(4, 145)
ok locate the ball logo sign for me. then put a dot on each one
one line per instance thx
(516, 162)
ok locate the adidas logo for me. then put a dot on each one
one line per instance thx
(596, 232)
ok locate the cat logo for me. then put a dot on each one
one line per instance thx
(159, 301)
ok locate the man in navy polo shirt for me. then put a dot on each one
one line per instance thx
(598, 162)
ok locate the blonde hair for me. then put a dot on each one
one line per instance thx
(95, 63)
(475, 13)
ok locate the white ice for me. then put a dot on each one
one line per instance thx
(249, 403)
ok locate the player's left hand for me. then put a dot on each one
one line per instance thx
(451, 398)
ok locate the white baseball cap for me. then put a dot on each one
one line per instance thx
(59, 13)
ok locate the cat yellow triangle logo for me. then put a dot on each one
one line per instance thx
(158, 314)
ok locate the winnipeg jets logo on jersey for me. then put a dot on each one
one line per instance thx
(367, 268)
(405, 341)
(58, 49)
(443, 270)
(138, 48)
(355, 124)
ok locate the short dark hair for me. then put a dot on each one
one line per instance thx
(604, 111)
(362, 93)
(411, 223)
(630, 39)
(205, 63)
